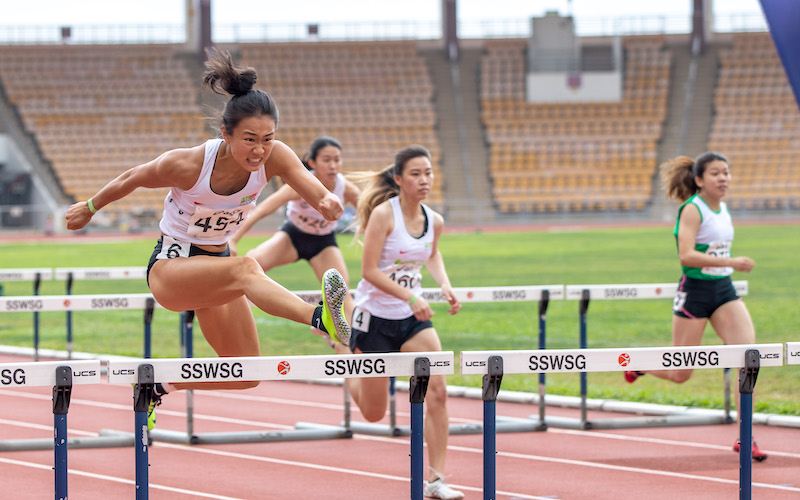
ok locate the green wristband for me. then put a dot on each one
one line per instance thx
(412, 299)
(91, 206)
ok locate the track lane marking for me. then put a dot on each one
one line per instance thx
(115, 479)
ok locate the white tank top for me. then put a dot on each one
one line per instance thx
(204, 217)
(306, 218)
(402, 259)
(714, 237)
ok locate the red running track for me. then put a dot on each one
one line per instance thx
(652, 464)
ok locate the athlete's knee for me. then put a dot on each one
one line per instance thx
(681, 376)
(248, 267)
(372, 406)
(436, 395)
(373, 413)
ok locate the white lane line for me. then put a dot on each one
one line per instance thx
(582, 434)
(671, 442)
(328, 468)
(114, 479)
(243, 456)
(309, 404)
(787, 487)
(255, 423)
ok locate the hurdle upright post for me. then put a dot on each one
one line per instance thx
(583, 307)
(149, 308)
(187, 351)
(142, 394)
(393, 429)
(61, 395)
(726, 395)
(37, 279)
(747, 382)
(69, 317)
(544, 300)
(491, 387)
(418, 386)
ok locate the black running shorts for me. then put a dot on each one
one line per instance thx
(700, 298)
(384, 335)
(307, 245)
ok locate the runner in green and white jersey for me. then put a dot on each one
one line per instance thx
(704, 234)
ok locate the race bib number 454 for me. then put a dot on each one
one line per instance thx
(211, 224)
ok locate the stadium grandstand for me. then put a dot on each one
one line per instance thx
(541, 121)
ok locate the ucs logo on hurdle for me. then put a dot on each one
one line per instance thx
(18, 376)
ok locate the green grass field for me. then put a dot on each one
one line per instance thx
(608, 256)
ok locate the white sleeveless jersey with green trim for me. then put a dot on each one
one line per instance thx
(201, 216)
(714, 237)
(401, 259)
(307, 219)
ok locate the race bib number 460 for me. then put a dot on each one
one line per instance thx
(211, 224)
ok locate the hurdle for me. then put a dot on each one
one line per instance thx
(343, 366)
(61, 376)
(101, 302)
(584, 294)
(533, 293)
(81, 303)
(36, 275)
(748, 358)
(100, 273)
(145, 373)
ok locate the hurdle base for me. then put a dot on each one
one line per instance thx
(329, 432)
(344, 432)
(502, 425)
(118, 441)
(673, 420)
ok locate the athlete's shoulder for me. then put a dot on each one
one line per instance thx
(384, 207)
(181, 166)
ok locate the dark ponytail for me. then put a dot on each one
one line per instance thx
(678, 175)
(222, 76)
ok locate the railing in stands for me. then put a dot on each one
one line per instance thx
(367, 30)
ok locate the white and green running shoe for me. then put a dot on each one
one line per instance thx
(334, 291)
(151, 411)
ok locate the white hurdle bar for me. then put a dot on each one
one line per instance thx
(540, 293)
(793, 353)
(532, 293)
(68, 303)
(61, 376)
(145, 373)
(36, 275)
(586, 293)
(96, 273)
(494, 364)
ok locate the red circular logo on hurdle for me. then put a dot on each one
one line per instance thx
(624, 359)
(284, 367)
